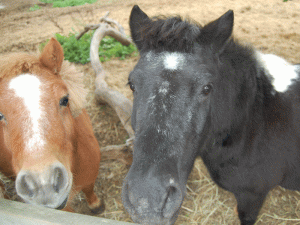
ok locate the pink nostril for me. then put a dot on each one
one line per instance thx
(26, 185)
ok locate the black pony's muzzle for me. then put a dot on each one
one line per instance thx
(152, 203)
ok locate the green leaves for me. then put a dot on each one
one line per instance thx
(78, 51)
(62, 3)
(34, 8)
(66, 3)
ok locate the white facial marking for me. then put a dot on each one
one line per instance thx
(165, 107)
(151, 98)
(158, 129)
(172, 60)
(164, 88)
(27, 87)
(149, 56)
(172, 181)
(280, 71)
(190, 114)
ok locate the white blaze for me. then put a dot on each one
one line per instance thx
(281, 71)
(172, 60)
(27, 87)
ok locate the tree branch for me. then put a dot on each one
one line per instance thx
(115, 99)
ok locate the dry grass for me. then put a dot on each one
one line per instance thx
(204, 204)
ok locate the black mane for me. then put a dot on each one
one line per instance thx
(170, 34)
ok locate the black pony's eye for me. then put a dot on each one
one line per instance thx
(207, 89)
(1, 116)
(64, 101)
(131, 86)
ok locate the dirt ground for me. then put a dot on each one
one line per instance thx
(272, 26)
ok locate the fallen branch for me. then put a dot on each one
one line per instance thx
(91, 27)
(103, 93)
(103, 19)
(127, 145)
(122, 153)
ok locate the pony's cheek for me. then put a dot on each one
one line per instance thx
(16, 165)
(67, 121)
(6, 136)
(69, 126)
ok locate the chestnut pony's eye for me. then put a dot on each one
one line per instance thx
(1, 116)
(207, 89)
(64, 101)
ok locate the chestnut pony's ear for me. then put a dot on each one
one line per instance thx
(138, 19)
(52, 56)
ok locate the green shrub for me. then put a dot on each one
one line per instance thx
(78, 51)
(35, 7)
(66, 3)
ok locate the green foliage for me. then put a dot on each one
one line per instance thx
(78, 51)
(35, 7)
(63, 3)
(66, 3)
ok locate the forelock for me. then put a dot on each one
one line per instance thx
(170, 34)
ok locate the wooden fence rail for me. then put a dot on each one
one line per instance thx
(18, 213)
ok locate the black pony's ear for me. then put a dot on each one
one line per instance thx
(138, 19)
(217, 33)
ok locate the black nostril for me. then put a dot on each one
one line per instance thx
(63, 204)
(58, 181)
(172, 201)
(171, 193)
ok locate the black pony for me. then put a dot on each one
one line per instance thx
(197, 92)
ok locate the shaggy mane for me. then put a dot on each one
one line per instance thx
(14, 64)
(170, 34)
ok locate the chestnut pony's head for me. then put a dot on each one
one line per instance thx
(37, 109)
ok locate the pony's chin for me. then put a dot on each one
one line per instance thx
(63, 205)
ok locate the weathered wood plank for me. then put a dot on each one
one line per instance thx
(12, 212)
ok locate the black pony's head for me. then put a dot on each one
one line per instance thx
(191, 86)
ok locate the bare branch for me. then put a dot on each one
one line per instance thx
(91, 26)
(103, 19)
(86, 29)
(118, 152)
(127, 145)
(105, 15)
(115, 23)
(116, 100)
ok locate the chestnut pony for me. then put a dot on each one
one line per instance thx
(47, 142)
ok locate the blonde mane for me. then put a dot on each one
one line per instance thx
(14, 64)
(74, 81)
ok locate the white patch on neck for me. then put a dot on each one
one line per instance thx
(172, 60)
(27, 87)
(280, 72)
